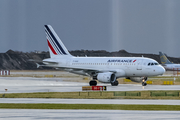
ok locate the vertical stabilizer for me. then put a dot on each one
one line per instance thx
(56, 47)
(164, 59)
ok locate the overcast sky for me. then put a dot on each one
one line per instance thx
(137, 26)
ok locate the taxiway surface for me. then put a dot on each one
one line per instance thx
(31, 84)
(38, 114)
(63, 84)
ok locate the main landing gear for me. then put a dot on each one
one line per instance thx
(115, 83)
(93, 83)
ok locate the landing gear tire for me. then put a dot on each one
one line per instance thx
(115, 83)
(93, 83)
(144, 84)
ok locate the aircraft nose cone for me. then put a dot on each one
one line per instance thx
(162, 70)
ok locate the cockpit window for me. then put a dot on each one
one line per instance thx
(156, 64)
(150, 64)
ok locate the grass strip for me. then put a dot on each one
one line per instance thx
(90, 106)
(168, 94)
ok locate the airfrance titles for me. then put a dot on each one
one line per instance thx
(127, 61)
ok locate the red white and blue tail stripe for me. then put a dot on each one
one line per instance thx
(56, 47)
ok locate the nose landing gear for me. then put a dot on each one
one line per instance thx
(144, 81)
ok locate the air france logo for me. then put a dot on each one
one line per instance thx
(134, 61)
(127, 61)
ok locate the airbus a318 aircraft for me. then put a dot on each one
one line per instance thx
(103, 69)
(169, 66)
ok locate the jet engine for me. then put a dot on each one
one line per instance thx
(106, 77)
(137, 79)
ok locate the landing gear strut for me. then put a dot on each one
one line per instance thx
(115, 83)
(93, 83)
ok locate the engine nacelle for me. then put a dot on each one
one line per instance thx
(137, 79)
(107, 77)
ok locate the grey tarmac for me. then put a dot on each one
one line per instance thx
(31, 84)
(34, 114)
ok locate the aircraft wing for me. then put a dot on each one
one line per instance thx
(86, 71)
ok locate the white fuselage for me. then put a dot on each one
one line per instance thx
(172, 67)
(121, 66)
(103, 69)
